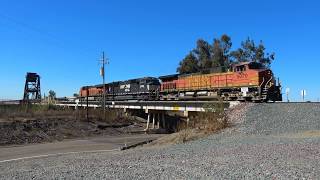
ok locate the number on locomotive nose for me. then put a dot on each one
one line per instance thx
(242, 75)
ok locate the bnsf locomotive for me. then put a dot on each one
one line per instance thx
(247, 81)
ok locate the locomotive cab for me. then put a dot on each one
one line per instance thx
(244, 66)
(257, 82)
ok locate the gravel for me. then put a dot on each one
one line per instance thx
(267, 141)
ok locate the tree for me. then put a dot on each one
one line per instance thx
(75, 95)
(218, 54)
(226, 45)
(249, 52)
(203, 54)
(262, 57)
(206, 56)
(52, 94)
(237, 55)
(220, 51)
(189, 64)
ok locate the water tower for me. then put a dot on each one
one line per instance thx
(32, 92)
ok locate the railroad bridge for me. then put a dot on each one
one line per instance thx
(155, 110)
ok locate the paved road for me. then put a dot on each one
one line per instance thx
(96, 144)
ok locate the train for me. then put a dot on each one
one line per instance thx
(245, 81)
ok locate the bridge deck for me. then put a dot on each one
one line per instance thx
(198, 106)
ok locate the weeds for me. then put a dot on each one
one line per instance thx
(202, 124)
(20, 112)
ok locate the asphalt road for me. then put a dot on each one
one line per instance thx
(96, 144)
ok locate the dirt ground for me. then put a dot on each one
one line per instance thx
(49, 130)
(38, 126)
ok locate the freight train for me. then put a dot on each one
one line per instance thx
(246, 81)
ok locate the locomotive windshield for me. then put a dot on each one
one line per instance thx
(255, 65)
(247, 65)
(240, 68)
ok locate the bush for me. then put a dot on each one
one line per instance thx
(203, 123)
(213, 119)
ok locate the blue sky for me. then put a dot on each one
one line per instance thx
(63, 40)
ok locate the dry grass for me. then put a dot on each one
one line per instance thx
(32, 112)
(201, 125)
(17, 112)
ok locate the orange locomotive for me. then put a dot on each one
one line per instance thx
(248, 81)
(91, 91)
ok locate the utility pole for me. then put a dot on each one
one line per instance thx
(287, 93)
(87, 100)
(102, 73)
(303, 94)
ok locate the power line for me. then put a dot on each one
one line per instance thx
(50, 38)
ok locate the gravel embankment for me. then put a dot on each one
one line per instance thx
(272, 141)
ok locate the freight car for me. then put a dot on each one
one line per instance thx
(247, 81)
(146, 88)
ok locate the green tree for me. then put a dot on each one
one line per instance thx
(219, 54)
(52, 94)
(262, 57)
(206, 56)
(203, 54)
(226, 45)
(221, 51)
(189, 64)
(249, 52)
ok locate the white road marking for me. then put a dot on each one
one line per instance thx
(58, 154)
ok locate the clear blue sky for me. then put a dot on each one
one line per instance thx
(63, 40)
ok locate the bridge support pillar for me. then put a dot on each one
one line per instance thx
(158, 122)
(188, 120)
(163, 121)
(186, 114)
(153, 120)
(148, 122)
(125, 112)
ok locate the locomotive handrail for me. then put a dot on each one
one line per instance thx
(262, 82)
(268, 82)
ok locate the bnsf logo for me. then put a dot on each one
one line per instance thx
(242, 75)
